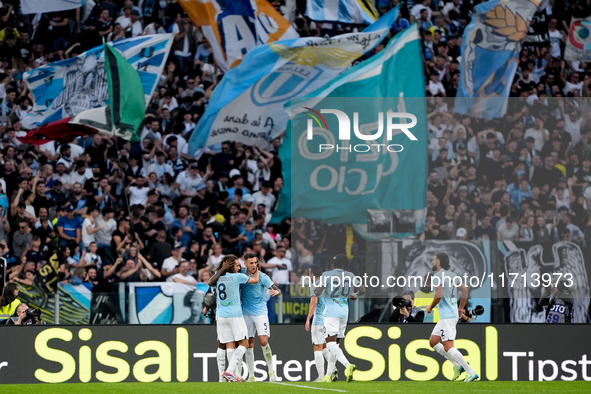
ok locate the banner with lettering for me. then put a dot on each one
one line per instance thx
(538, 34)
(235, 27)
(359, 143)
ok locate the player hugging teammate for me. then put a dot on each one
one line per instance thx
(330, 295)
(242, 310)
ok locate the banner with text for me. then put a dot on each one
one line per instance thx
(165, 353)
(233, 28)
(358, 144)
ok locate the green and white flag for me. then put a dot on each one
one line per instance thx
(358, 145)
(126, 110)
(126, 95)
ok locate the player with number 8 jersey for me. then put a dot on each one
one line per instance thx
(231, 328)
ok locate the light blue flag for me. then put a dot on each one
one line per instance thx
(67, 87)
(490, 53)
(45, 6)
(247, 105)
(343, 11)
(377, 172)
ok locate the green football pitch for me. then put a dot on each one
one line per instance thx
(558, 387)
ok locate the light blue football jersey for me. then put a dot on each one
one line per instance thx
(448, 306)
(338, 286)
(253, 296)
(228, 294)
(319, 312)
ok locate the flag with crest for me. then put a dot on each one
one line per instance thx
(490, 54)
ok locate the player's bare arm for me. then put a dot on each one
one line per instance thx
(274, 290)
(223, 270)
(360, 290)
(318, 290)
(463, 298)
(436, 299)
(255, 278)
(311, 310)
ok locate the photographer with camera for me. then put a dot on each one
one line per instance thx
(560, 302)
(469, 314)
(8, 302)
(26, 316)
(405, 310)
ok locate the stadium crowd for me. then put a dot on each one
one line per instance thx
(110, 210)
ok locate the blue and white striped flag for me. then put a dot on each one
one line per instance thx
(247, 105)
(343, 11)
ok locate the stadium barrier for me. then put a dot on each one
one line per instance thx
(169, 353)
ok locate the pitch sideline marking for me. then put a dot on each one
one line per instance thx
(309, 387)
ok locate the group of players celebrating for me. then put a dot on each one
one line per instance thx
(240, 301)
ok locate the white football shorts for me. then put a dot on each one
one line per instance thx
(446, 329)
(231, 329)
(335, 326)
(318, 335)
(260, 324)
